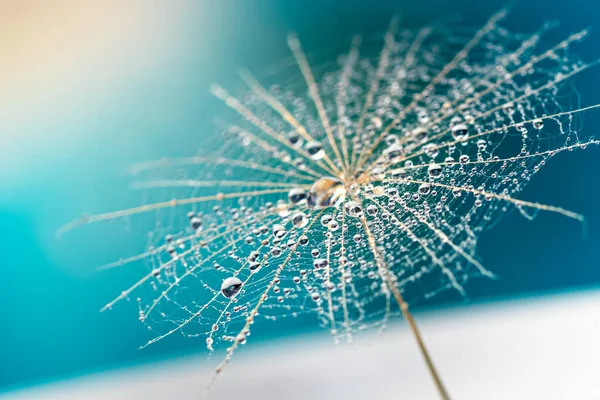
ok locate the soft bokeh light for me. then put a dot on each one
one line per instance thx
(62, 60)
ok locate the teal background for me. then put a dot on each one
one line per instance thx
(50, 295)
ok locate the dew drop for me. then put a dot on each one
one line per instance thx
(424, 188)
(353, 209)
(196, 223)
(434, 170)
(372, 210)
(279, 231)
(297, 195)
(431, 150)
(326, 219)
(391, 139)
(231, 287)
(333, 226)
(394, 153)
(320, 263)
(254, 267)
(460, 132)
(378, 174)
(315, 150)
(398, 173)
(509, 108)
(295, 139)
(419, 134)
(326, 192)
(299, 220)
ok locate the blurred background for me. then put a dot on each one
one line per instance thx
(89, 88)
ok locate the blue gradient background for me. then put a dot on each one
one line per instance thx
(67, 136)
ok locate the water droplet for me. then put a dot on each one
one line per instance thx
(460, 132)
(538, 123)
(353, 209)
(297, 195)
(196, 223)
(424, 188)
(509, 108)
(320, 263)
(419, 134)
(431, 150)
(372, 210)
(279, 231)
(254, 267)
(394, 153)
(333, 226)
(391, 139)
(481, 144)
(231, 287)
(398, 173)
(326, 219)
(434, 170)
(315, 150)
(295, 139)
(326, 192)
(378, 173)
(299, 220)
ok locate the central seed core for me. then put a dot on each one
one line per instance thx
(327, 192)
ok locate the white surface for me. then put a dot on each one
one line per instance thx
(547, 348)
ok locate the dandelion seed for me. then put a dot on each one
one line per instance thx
(301, 159)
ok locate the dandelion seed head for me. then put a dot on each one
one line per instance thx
(339, 186)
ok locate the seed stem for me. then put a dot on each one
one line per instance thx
(422, 347)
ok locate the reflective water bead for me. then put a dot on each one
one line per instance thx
(295, 139)
(231, 287)
(196, 223)
(333, 225)
(460, 132)
(315, 150)
(391, 139)
(299, 220)
(434, 170)
(279, 231)
(394, 153)
(372, 209)
(254, 267)
(297, 195)
(431, 150)
(509, 108)
(424, 188)
(398, 173)
(326, 219)
(378, 173)
(326, 192)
